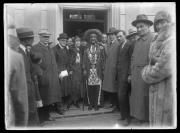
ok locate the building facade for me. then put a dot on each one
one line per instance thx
(58, 17)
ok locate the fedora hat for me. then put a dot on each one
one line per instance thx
(44, 33)
(142, 18)
(131, 32)
(24, 32)
(62, 36)
(112, 30)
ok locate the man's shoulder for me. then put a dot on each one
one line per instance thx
(55, 47)
(152, 35)
(129, 43)
(15, 54)
(35, 46)
(16, 57)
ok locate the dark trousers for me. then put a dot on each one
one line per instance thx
(93, 94)
(33, 119)
(123, 96)
(58, 106)
(43, 113)
(114, 99)
(111, 98)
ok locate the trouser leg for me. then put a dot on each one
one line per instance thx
(123, 98)
(43, 113)
(96, 95)
(33, 119)
(114, 99)
(90, 95)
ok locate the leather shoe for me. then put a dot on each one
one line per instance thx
(60, 112)
(121, 119)
(125, 122)
(51, 119)
(77, 105)
(115, 109)
(90, 108)
(68, 106)
(108, 106)
(96, 108)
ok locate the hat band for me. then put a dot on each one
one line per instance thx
(26, 34)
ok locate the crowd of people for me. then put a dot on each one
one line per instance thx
(130, 73)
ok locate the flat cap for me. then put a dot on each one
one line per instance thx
(24, 32)
(44, 33)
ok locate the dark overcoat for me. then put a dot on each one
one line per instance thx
(109, 82)
(77, 74)
(32, 90)
(49, 87)
(30, 84)
(61, 57)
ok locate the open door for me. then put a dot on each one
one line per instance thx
(76, 21)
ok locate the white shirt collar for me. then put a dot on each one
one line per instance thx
(60, 46)
(44, 44)
(113, 41)
(22, 47)
(124, 43)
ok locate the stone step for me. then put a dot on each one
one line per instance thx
(74, 112)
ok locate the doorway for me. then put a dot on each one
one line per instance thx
(76, 21)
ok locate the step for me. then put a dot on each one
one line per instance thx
(74, 112)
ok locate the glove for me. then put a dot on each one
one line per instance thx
(39, 103)
(63, 74)
(129, 79)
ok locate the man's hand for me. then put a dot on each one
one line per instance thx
(84, 73)
(63, 74)
(39, 103)
(71, 72)
(129, 79)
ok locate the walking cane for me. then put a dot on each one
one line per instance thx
(84, 86)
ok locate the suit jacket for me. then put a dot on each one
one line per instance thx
(17, 92)
(123, 61)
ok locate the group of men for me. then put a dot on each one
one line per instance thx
(111, 68)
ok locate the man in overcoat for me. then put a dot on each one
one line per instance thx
(26, 38)
(139, 103)
(109, 81)
(16, 91)
(48, 83)
(123, 63)
(61, 57)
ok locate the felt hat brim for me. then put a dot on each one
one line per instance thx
(130, 35)
(144, 21)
